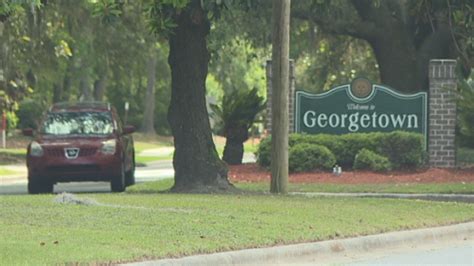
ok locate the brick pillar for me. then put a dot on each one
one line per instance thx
(291, 97)
(442, 113)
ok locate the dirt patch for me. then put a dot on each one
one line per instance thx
(255, 173)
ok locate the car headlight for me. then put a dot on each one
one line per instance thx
(108, 146)
(36, 149)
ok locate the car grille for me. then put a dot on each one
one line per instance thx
(74, 168)
(59, 152)
(55, 152)
(87, 151)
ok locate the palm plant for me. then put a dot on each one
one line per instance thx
(235, 116)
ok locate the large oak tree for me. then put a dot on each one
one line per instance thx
(404, 35)
(196, 161)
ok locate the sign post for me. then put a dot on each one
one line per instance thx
(127, 106)
(4, 130)
(361, 107)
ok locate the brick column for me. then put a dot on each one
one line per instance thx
(442, 113)
(291, 97)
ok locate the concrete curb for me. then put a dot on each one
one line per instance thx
(468, 198)
(275, 255)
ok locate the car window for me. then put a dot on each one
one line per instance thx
(78, 123)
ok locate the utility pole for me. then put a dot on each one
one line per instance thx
(280, 80)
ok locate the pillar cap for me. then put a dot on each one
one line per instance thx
(442, 69)
(443, 61)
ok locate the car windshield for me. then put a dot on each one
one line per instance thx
(78, 123)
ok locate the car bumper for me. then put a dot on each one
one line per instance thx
(102, 168)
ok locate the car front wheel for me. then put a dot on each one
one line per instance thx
(130, 175)
(117, 184)
(40, 187)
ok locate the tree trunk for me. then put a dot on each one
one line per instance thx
(67, 84)
(233, 152)
(2, 56)
(196, 162)
(234, 145)
(148, 125)
(85, 89)
(99, 87)
(396, 58)
(57, 93)
(280, 81)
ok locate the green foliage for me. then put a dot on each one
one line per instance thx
(7, 7)
(466, 113)
(369, 160)
(403, 149)
(107, 10)
(12, 120)
(465, 156)
(237, 112)
(307, 157)
(264, 150)
(236, 64)
(29, 113)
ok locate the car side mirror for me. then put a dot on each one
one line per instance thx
(128, 129)
(28, 132)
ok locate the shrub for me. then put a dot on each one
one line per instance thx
(403, 149)
(307, 157)
(263, 153)
(369, 160)
(29, 113)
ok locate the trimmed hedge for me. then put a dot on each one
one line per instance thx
(403, 149)
(369, 160)
(306, 157)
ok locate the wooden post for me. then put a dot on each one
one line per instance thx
(280, 81)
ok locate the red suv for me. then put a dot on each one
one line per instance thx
(82, 141)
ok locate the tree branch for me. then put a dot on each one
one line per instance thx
(355, 28)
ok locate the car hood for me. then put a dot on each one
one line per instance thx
(72, 141)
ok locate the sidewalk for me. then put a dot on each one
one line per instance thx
(331, 251)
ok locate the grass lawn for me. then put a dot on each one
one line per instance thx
(4, 171)
(35, 230)
(443, 188)
(141, 146)
(146, 159)
(156, 140)
(12, 156)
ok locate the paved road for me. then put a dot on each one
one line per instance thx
(152, 172)
(451, 255)
(439, 253)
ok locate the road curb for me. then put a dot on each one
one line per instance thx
(275, 255)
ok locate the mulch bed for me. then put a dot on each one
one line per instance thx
(254, 173)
